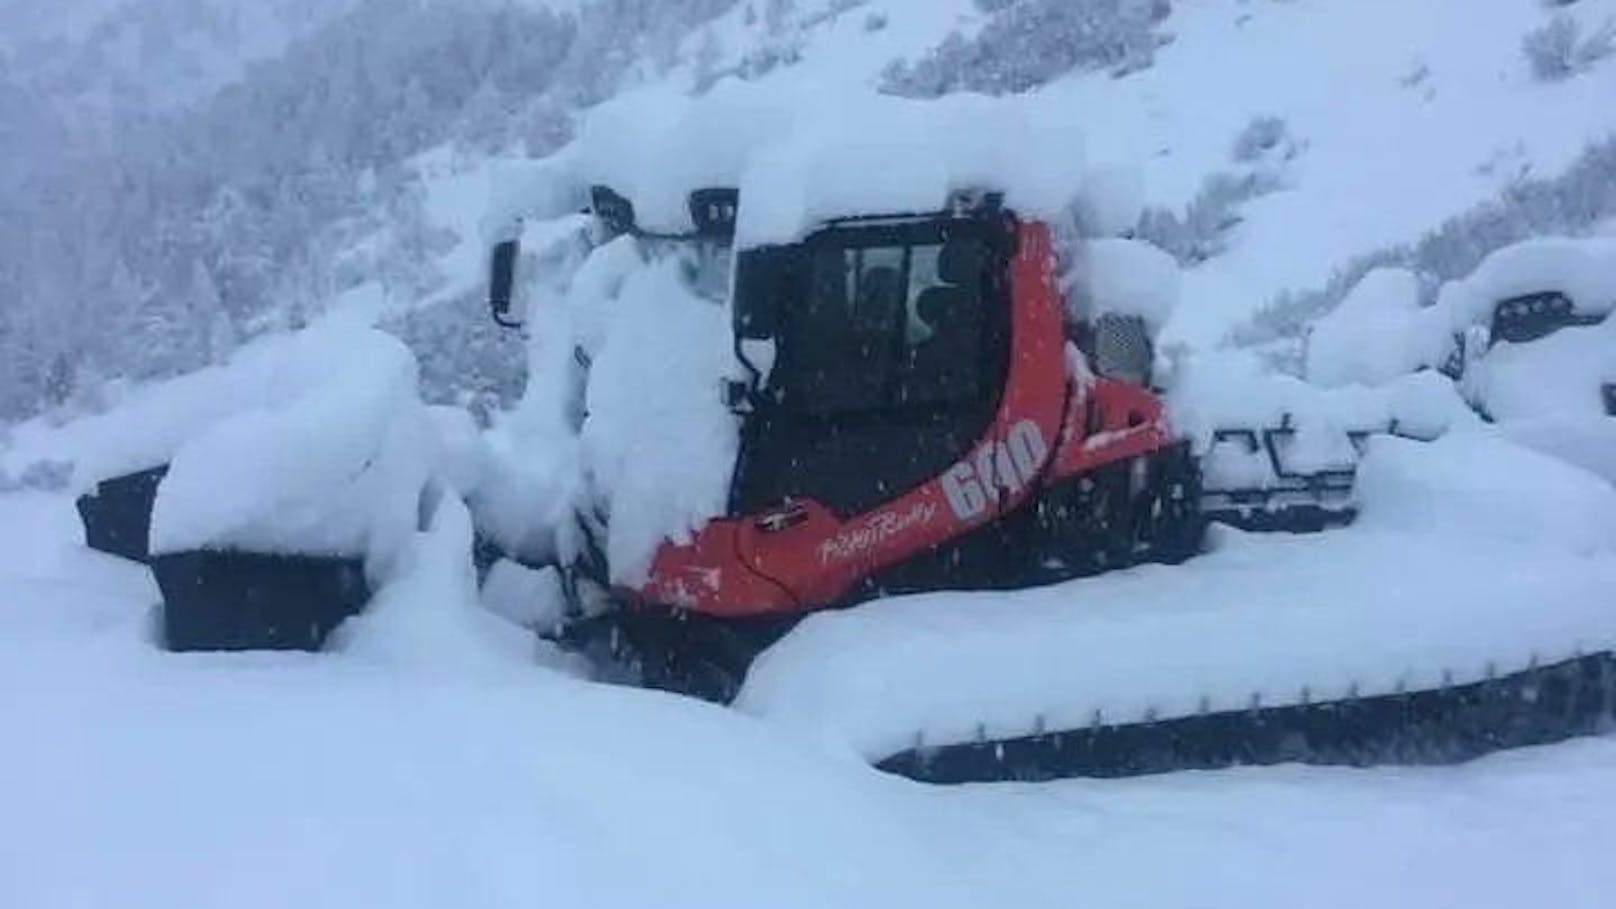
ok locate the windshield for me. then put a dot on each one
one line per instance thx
(881, 325)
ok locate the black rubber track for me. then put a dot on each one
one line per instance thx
(1450, 725)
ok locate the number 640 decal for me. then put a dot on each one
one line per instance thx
(999, 466)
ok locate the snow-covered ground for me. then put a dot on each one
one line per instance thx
(134, 778)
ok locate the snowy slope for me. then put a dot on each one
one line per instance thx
(137, 779)
(1368, 99)
(1378, 97)
(105, 54)
(1373, 97)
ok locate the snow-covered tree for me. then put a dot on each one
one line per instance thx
(1026, 43)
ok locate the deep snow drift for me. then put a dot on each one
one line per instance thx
(369, 777)
(1448, 574)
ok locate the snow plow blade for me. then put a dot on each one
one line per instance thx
(1449, 725)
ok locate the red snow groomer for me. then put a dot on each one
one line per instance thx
(931, 419)
(931, 416)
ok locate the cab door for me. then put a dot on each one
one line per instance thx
(891, 364)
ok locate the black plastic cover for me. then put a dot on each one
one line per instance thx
(228, 600)
(117, 515)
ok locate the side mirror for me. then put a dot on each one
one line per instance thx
(762, 283)
(502, 282)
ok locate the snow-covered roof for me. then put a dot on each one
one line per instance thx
(800, 160)
(1582, 268)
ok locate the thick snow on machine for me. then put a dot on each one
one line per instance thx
(929, 420)
(923, 412)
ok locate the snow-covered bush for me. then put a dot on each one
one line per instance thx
(1260, 136)
(1549, 49)
(1259, 155)
(1026, 43)
(1202, 231)
(40, 476)
(465, 359)
(1559, 51)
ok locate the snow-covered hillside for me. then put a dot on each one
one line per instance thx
(111, 54)
(1273, 142)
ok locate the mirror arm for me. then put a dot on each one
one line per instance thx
(502, 282)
